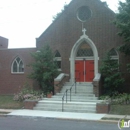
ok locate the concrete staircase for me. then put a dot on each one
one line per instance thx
(83, 101)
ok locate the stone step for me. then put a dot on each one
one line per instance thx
(67, 110)
(75, 97)
(78, 84)
(79, 91)
(65, 106)
(43, 102)
(80, 87)
(68, 107)
(74, 100)
(76, 94)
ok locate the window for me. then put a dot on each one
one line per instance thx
(84, 50)
(114, 58)
(58, 59)
(113, 54)
(17, 66)
(84, 13)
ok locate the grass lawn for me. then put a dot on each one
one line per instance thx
(120, 109)
(7, 102)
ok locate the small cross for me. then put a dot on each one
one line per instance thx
(84, 31)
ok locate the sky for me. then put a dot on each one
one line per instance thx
(22, 21)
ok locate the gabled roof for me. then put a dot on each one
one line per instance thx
(64, 11)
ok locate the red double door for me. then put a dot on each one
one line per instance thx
(84, 70)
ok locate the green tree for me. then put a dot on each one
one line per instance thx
(122, 22)
(113, 80)
(59, 13)
(44, 68)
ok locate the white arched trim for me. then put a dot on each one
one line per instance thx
(84, 37)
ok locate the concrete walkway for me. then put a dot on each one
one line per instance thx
(63, 115)
(57, 115)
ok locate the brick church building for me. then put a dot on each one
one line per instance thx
(79, 37)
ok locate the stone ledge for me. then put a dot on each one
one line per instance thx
(102, 108)
(29, 104)
(60, 77)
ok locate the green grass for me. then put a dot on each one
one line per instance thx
(120, 109)
(7, 102)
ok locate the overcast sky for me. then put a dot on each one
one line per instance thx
(21, 21)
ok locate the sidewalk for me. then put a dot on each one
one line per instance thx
(57, 115)
(64, 115)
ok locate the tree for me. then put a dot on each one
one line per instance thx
(44, 68)
(113, 80)
(122, 22)
(59, 13)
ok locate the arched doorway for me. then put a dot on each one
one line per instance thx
(84, 63)
(83, 60)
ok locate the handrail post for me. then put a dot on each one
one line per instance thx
(62, 105)
(75, 87)
(66, 96)
(70, 95)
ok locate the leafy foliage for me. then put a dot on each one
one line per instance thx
(28, 93)
(122, 22)
(113, 80)
(121, 98)
(44, 68)
(59, 13)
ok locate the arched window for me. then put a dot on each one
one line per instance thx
(58, 59)
(113, 54)
(84, 50)
(114, 57)
(17, 66)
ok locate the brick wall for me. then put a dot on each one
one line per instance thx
(11, 83)
(66, 30)
(3, 42)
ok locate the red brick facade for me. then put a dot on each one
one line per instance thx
(67, 29)
(62, 35)
(3, 42)
(10, 83)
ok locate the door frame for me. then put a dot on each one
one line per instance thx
(74, 50)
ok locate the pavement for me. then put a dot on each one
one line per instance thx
(63, 115)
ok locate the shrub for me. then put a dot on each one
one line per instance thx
(113, 81)
(28, 93)
(123, 98)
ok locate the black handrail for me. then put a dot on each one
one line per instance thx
(65, 94)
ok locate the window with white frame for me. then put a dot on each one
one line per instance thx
(58, 59)
(17, 66)
(114, 58)
(84, 50)
(114, 54)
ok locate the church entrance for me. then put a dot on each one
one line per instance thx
(84, 63)
(83, 60)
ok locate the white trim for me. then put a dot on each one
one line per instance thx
(60, 77)
(12, 72)
(97, 77)
(86, 58)
(84, 37)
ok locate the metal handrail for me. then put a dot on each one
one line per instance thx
(65, 94)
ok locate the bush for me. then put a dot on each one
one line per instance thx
(123, 98)
(28, 93)
(44, 68)
(112, 77)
